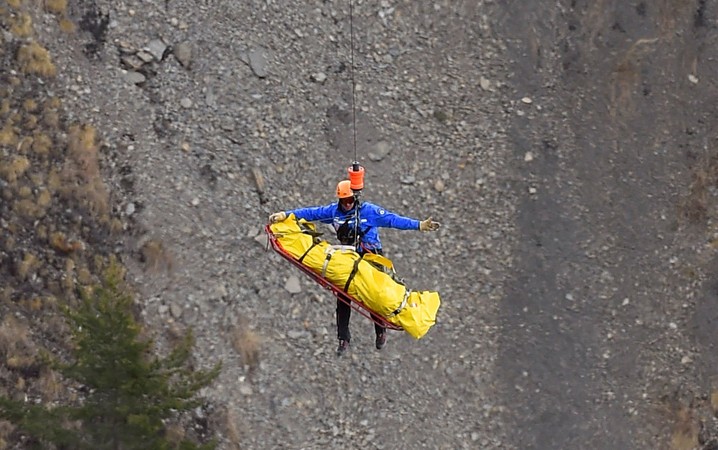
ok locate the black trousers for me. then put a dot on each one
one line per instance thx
(344, 313)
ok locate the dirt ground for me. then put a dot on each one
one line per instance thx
(567, 148)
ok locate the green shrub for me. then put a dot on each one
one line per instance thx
(129, 392)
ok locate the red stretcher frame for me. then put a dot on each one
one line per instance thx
(340, 294)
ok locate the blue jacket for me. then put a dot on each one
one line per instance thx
(371, 217)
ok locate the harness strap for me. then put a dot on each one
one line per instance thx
(354, 272)
(402, 306)
(314, 244)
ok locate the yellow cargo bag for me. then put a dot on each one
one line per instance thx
(360, 277)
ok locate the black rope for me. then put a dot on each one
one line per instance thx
(351, 51)
(357, 203)
(357, 219)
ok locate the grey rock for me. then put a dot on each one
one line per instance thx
(183, 53)
(176, 310)
(381, 150)
(145, 57)
(156, 48)
(292, 285)
(258, 61)
(134, 77)
(407, 179)
(319, 77)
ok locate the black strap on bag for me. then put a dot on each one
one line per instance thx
(353, 272)
(314, 244)
(306, 229)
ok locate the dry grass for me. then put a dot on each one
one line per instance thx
(41, 144)
(21, 25)
(684, 435)
(231, 429)
(68, 279)
(5, 104)
(56, 6)
(28, 209)
(156, 257)
(59, 9)
(84, 277)
(695, 207)
(247, 343)
(49, 385)
(33, 304)
(67, 25)
(175, 434)
(15, 344)
(14, 168)
(81, 177)
(60, 242)
(29, 105)
(6, 428)
(44, 198)
(714, 402)
(626, 77)
(8, 135)
(35, 59)
(27, 266)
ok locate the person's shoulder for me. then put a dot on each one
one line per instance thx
(374, 207)
(326, 206)
(333, 206)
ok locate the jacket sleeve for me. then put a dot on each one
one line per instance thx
(323, 214)
(388, 219)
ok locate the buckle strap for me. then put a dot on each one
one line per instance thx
(402, 306)
(330, 252)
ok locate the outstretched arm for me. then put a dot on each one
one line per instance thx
(323, 214)
(388, 219)
(319, 213)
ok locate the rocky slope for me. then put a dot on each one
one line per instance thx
(213, 115)
(566, 321)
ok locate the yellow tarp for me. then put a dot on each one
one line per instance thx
(371, 286)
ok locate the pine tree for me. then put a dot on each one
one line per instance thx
(130, 393)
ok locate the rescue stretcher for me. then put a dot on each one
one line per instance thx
(367, 283)
(355, 304)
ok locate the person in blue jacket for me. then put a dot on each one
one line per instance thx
(342, 215)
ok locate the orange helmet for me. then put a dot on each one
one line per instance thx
(344, 189)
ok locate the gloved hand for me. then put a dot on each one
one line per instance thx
(429, 225)
(277, 217)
